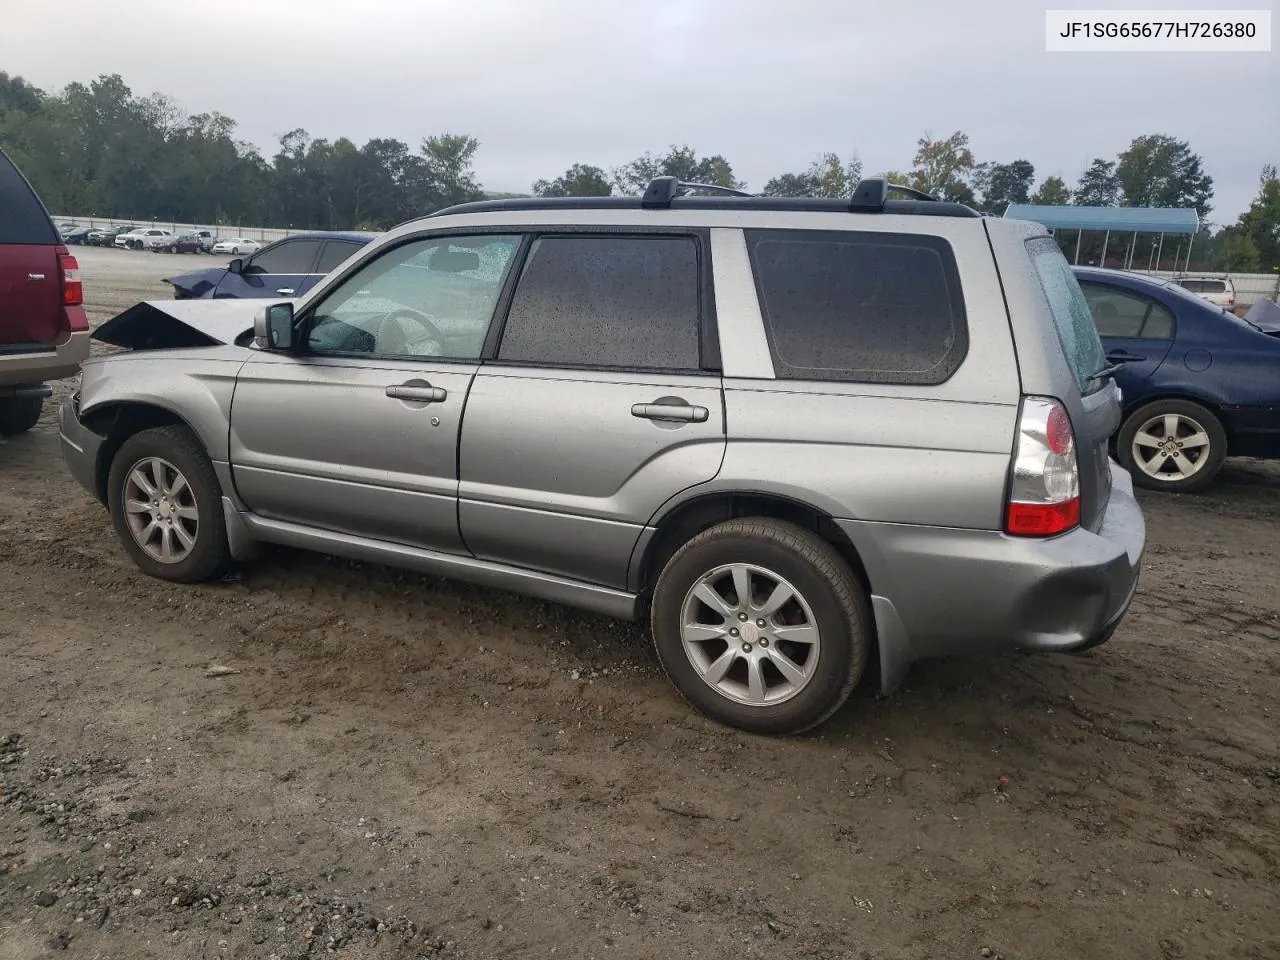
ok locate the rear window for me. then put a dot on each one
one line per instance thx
(1204, 286)
(1071, 313)
(859, 307)
(22, 216)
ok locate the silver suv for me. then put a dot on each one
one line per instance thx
(800, 437)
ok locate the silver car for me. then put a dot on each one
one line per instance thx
(805, 439)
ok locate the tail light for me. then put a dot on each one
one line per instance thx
(1044, 489)
(72, 288)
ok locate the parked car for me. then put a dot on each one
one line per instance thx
(144, 238)
(207, 240)
(106, 236)
(187, 243)
(75, 236)
(1199, 383)
(44, 333)
(1217, 290)
(875, 441)
(237, 245)
(286, 268)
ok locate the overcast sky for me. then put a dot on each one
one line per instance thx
(768, 83)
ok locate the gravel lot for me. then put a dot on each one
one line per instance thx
(396, 766)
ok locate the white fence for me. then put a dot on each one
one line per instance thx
(1250, 287)
(261, 234)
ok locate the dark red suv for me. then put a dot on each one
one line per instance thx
(44, 333)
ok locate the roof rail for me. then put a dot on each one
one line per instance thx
(662, 190)
(870, 195)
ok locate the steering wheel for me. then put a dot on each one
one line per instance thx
(393, 339)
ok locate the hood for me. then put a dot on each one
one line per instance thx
(1265, 314)
(198, 283)
(176, 324)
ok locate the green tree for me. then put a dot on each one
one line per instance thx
(1236, 251)
(1159, 171)
(1099, 186)
(1260, 224)
(942, 167)
(1000, 184)
(442, 175)
(1053, 192)
(580, 180)
(827, 176)
(681, 162)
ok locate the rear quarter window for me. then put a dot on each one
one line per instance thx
(22, 216)
(859, 307)
(1071, 314)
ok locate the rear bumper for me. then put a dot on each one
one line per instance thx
(944, 591)
(80, 447)
(63, 360)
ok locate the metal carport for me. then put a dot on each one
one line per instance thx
(1178, 221)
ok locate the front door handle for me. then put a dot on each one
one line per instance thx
(679, 412)
(1122, 356)
(417, 392)
(286, 291)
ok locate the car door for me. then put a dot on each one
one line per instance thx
(332, 253)
(1136, 331)
(599, 405)
(356, 432)
(276, 271)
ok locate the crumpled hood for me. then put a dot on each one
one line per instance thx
(198, 283)
(174, 324)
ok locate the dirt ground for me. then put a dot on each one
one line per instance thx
(401, 766)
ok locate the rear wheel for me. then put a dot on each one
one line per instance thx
(19, 414)
(761, 625)
(166, 505)
(1174, 445)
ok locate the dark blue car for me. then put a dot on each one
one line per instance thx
(287, 268)
(1199, 383)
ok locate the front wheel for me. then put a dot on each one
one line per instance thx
(1174, 445)
(166, 505)
(761, 625)
(19, 414)
(235, 251)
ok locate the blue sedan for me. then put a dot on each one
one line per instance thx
(287, 268)
(1199, 383)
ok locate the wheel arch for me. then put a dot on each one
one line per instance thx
(680, 521)
(117, 421)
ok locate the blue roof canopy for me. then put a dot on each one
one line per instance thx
(1115, 219)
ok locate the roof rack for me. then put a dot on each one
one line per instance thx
(662, 190)
(870, 195)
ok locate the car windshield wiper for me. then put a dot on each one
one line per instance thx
(1110, 370)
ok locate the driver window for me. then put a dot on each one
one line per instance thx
(429, 299)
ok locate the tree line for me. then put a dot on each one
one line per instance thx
(100, 149)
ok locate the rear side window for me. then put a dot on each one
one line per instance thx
(291, 256)
(601, 301)
(335, 251)
(1071, 313)
(1119, 313)
(859, 307)
(22, 215)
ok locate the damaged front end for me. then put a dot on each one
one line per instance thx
(180, 324)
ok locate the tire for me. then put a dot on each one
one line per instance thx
(235, 251)
(1201, 443)
(177, 448)
(19, 414)
(830, 599)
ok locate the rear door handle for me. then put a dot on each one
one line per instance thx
(680, 413)
(417, 393)
(286, 291)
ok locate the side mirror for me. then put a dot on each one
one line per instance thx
(235, 266)
(273, 327)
